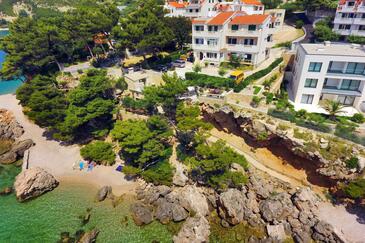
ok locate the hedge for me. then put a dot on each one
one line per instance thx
(207, 81)
(257, 75)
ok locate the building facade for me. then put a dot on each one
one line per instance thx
(328, 72)
(232, 33)
(350, 18)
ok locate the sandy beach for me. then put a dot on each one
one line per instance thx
(59, 159)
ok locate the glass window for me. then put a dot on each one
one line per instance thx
(213, 28)
(362, 27)
(252, 27)
(311, 83)
(199, 27)
(307, 99)
(355, 68)
(346, 100)
(211, 55)
(212, 42)
(249, 42)
(234, 27)
(199, 41)
(232, 41)
(315, 67)
(350, 4)
(349, 84)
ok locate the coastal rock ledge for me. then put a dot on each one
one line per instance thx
(33, 182)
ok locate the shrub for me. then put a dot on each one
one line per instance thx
(255, 101)
(256, 90)
(355, 189)
(352, 163)
(347, 132)
(269, 98)
(203, 80)
(358, 118)
(197, 68)
(262, 136)
(286, 44)
(257, 75)
(299, 24)
(356, 39)
(100, 152)
(301, 113)
(222, 71)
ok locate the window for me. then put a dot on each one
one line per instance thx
(355, 68)
(279, 15)
(350, 84)
(199, 27)
(344, 26)
(363, 16)
(307, 99)
(232, 41)
(344, 15)
(199, 41)
(315, 67)
(234, 27)
(212, 55)
(351, 15)
(346, 100)
(362, 27)
(252, 27)
(248, 57)
(311, 83)
(350, 4)
(212, 28)
(212, 42)
(249, 42)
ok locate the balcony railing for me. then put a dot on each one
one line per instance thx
(338, 91)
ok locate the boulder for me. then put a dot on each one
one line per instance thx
(323, 232)
(8, 158)
(141, 214)
(193, 200)
(20, 147)
(6, 191)
(103, 193)
(9, 127)
(276, 232)
(231, 206)
(194, 230)
(89, 237)
(277, 208)
(33, 182)
(179, 178)
(179, 213)
(164, 211)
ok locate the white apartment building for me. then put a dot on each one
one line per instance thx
(328, 71)
(350, 18)
(232, 33)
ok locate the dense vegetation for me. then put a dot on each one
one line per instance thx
(145, 148)
(84, 112)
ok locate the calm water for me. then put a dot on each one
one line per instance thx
(7, 87)
(44, 218)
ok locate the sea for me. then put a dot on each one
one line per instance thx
(8, 86)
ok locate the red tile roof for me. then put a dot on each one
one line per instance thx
(250, 19)
(198, 21)
(252, 2)
(177, 5)
(221, 18)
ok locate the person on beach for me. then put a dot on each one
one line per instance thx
(81, 165)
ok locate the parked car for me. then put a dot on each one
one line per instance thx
(160, 68)
(178, 63)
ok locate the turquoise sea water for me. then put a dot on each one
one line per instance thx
(7, 87)
(44, 218)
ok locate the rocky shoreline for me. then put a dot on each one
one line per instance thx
(280, 210)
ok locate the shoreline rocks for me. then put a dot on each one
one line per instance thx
(9, 127)
(16, 152)
(33, 182)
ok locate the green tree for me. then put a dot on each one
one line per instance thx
(323, 31)
(181, 29)
(90, 109)
(356, 39)
(144, 29)
(211, 164)
(271, 4)
(99, 152)
(355, 189)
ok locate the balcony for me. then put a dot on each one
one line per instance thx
(360, 21)
(244, 32)
(205, 47)
(340, 20)
(342, 74)
(336, 91)
(242, 48)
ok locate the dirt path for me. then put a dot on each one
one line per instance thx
(58, 159)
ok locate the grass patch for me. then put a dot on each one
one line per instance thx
(306, 136)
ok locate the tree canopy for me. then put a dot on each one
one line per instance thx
(99, 152)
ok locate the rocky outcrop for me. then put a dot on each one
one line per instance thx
(16, 152)
(33, 182)
(142, 214)
(90, 236)
(9, 127)
(103, 193)
(194, 230)
(311, 145)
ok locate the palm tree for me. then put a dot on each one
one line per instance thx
(333, 108)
